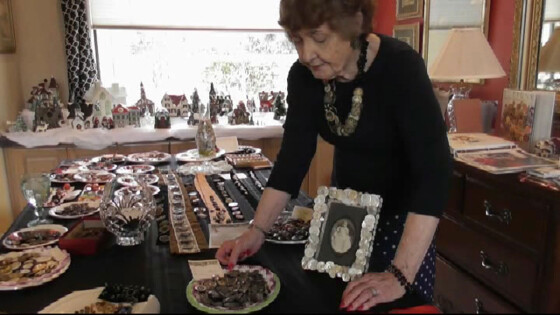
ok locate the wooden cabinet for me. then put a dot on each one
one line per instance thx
(456, 292)
(162, 146)
(76, 153)
(498, 239)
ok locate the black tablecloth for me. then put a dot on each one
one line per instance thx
(168, 275)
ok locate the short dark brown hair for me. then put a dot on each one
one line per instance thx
(296, 15)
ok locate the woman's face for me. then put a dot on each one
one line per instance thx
(325, 52)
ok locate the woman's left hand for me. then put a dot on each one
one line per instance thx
(370, 290)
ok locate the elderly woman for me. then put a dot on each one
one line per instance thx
(370, 96)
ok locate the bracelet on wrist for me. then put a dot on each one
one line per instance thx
(400, 277)
(252, 225)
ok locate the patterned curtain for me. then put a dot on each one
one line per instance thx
(82, 71)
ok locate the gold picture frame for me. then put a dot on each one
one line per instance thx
(7, 34)
(408, 33)
(409, 9)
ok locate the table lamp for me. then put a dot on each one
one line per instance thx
(549, 59)
(465, 55)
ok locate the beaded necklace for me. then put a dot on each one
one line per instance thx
(330, 97)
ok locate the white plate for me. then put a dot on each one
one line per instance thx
(68, 177)
(53, 211)
(78, 300)
(135, 169)
(51, 227)
(285, 215)
(98, 167)
(149, 157)
(272, 282)
(129, 180)
(242, 148)
(193, 156)
(111, 158)
(155, 190)
(94, 177)
(61, 256)
(68, 195)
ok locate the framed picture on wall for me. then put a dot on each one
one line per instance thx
(409, 9)
(7, 36)
(408, 33)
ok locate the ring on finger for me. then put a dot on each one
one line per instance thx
(374, 292)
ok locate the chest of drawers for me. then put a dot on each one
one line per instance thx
(498, 245)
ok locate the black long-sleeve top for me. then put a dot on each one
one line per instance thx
(399, 149)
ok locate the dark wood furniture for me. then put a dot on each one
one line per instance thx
(498, 245)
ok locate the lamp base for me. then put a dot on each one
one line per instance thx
(460, 91)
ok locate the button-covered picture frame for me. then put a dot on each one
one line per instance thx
(341, 233)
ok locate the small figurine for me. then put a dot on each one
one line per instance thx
(214, 105)
(251, 107)
(191, 121)
(41, 127)
(279, 106)
(265, 101)
(19, 125)
(195, 102)
(162, 120)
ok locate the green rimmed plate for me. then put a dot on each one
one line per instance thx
(271, 279)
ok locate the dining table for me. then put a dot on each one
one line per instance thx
(152, 265)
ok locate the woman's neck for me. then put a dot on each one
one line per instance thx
(351, 70)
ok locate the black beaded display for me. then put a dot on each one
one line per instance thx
(400, 277)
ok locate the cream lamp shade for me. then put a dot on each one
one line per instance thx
(466, 55)
(549, 59)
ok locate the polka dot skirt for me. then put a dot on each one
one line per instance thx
(387, 238)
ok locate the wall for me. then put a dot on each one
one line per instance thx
(40, 35)
(500, 37)
(10, 98)
(39, 54)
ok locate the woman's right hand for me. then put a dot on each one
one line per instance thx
(240, 248)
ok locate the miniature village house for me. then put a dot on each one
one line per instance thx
(144, 104)
(45, 101)
(176, 105)
(102, 100)
(120, 116)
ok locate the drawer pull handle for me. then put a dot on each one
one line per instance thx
(500, 268)
(503, 216)
(479, 307)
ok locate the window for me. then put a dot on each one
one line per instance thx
(180, 45)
